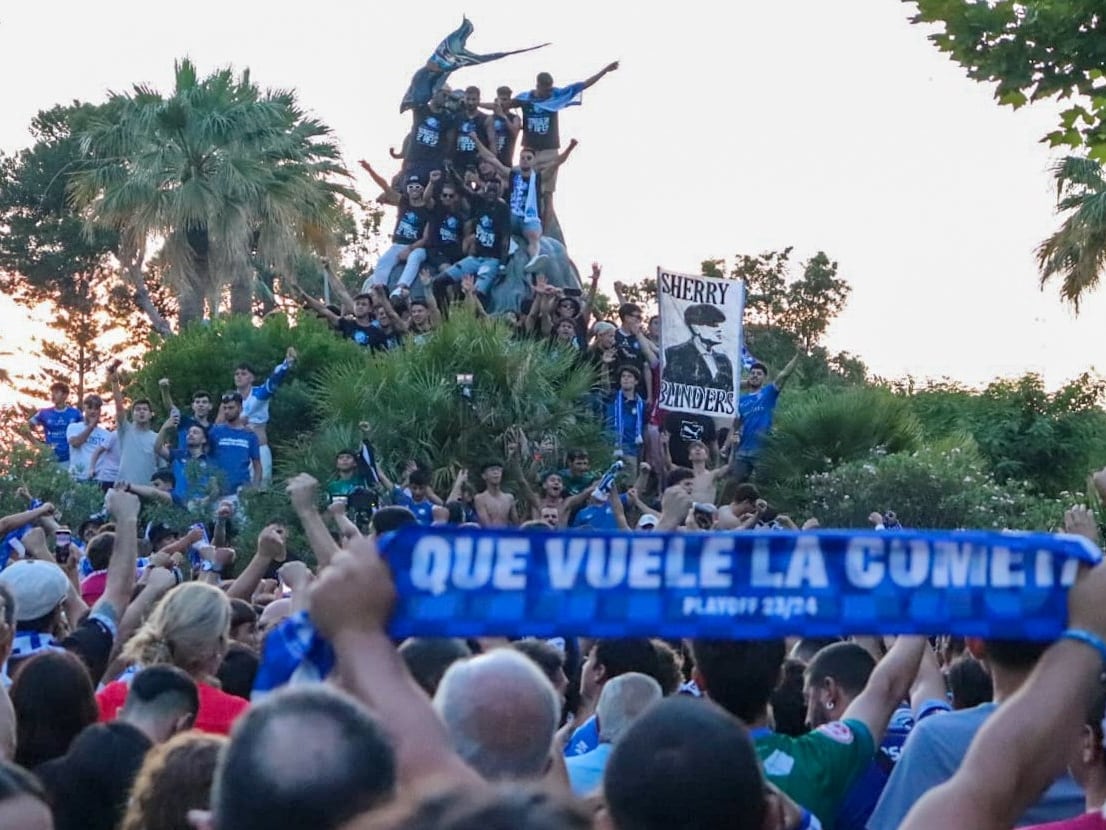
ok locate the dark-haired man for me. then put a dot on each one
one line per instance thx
(487, 235)
(937, 745)
(84, 437)
(754, 416)
(234, 447)
(56, 419)
(409, 237)
(633, 347)
(90, 785)
(471, 120)
(357, 328)
(817, 768)
(688, 763)
(541, 107)
(255, 404)
(506, 126)
(606, 660)
(137, 460)
(834, 677)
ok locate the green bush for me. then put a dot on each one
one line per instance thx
(1023, 432)
(947, 485)
(413, 402)
(203, 356)
(819, 429)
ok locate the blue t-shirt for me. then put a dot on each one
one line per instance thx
(193, 476)
(54, 423)
(423, 510)
(233, 450)
(598, 516)
(755, 410)
(865, 791)
(584, 739)
(186, 423)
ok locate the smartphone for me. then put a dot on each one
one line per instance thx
(62, 540)
(573, 292)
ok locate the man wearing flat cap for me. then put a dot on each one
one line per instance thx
(700, 361)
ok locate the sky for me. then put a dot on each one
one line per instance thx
(729, 128)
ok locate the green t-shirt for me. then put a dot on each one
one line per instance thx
(816, 769)
(345, 486)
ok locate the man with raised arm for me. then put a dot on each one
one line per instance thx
(255, 405)
(754, 416)
(541, 108)
(1024, 746)
(137, 461)
(49, 610)
(815, 769)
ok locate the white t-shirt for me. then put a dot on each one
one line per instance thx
(81, 457)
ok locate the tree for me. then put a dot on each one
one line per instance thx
(226, 174)
(1032, 50)
(1076, 252)
(76, 355)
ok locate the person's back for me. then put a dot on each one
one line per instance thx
(88, 786)
(932, 754)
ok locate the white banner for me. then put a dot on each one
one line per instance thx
(700, 342)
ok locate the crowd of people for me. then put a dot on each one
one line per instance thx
(149, 680)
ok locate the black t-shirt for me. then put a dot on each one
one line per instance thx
(683, 428)
(491, 225)
(428, 136)
(410, 222)
(446, 235)
(540, 126)
(384, 341)
(354, 331)
(504, 141)
(629, 352)
(465, 153)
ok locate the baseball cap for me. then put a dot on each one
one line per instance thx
(38, 587)
(414, 178)
(647, 522)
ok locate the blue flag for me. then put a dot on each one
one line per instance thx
(465, 583)
(450, 55)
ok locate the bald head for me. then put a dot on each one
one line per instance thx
(501, 713)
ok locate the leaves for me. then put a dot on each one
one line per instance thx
(1076, 252)
(1032, 51)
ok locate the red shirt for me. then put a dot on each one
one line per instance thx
(1087, 821)
(217, 714)
(93, 587)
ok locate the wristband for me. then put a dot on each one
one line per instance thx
(1088, 638)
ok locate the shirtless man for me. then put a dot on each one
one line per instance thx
(705, 486)
(551, 497)
(746, 502)
(494, 507)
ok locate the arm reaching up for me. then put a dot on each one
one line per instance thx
(351, 603)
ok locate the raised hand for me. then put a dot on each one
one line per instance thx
(355, 594)
(303, 490)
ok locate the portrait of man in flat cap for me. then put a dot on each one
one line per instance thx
(699, 361)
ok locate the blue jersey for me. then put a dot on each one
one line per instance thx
(755, 411)
(192, 475)
(423, 510)
(233, 450)
(54, 423)
(584, 739)
(866, 789)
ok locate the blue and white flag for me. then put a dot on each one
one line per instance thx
(740, 585)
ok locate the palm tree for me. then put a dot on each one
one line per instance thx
(1076, 252)
(222, 175)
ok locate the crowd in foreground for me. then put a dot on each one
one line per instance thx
(157, 692)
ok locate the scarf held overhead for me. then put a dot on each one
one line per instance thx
(747, 584)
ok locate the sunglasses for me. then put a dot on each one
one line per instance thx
(229, 399)
(448, 195)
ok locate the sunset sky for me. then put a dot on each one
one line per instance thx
(730, 128)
